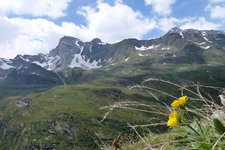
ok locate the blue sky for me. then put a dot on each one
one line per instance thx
(35, 26)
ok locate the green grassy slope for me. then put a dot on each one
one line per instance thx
(66, 116)
(69, 116)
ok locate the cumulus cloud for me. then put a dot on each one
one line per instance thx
(217, 12)
(37, 8)
(200, 24)
(162, 7)
(24, 36)
(114, 23)
(111, 23)
(216, 9)
(165, 24)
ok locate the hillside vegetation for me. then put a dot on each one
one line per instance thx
(92, 109)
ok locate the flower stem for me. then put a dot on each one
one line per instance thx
(193, 129)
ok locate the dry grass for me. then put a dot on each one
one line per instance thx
(197, 94)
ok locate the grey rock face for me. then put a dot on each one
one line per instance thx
(176, 46)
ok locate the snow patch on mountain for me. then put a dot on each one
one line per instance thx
(21, 57)
(109, 60)
(205, 47)
(204, 36)
(35, 73)
(90, 48)
(181, 33)
(127, 59)
(177, 30)
(52, 62)
(102, 43)
(43, 65)
(197, 43)
(79, 61)
(5, 64)
(76, 43)
(165, 48)
(144, 48)
(142, 55)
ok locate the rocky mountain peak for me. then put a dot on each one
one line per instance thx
(67, 47)
(96, 40)
(130, 41)
(69, 39)
(175, 30)
(72, 52)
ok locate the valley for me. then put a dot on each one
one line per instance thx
(82, 95)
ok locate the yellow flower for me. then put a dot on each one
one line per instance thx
(175, 104)
(183, 100)
(173, 119)
(179, 102)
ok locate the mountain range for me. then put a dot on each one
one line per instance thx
(82, 94)
(72, 52)
(175, 47)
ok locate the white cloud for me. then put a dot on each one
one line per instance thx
(216, 1)
(114, 23)
(216, 9)
(217, 12)
(200, 24)
(165, 24)
(50, 8)
(24, 36)
(162, 7)
(111, 23)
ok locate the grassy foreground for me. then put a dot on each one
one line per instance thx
(102, 104)
(199, 122)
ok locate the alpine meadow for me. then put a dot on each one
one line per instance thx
(112, 75)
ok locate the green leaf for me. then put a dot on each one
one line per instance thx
(181, 116)
(204, 146)
(218, 125)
